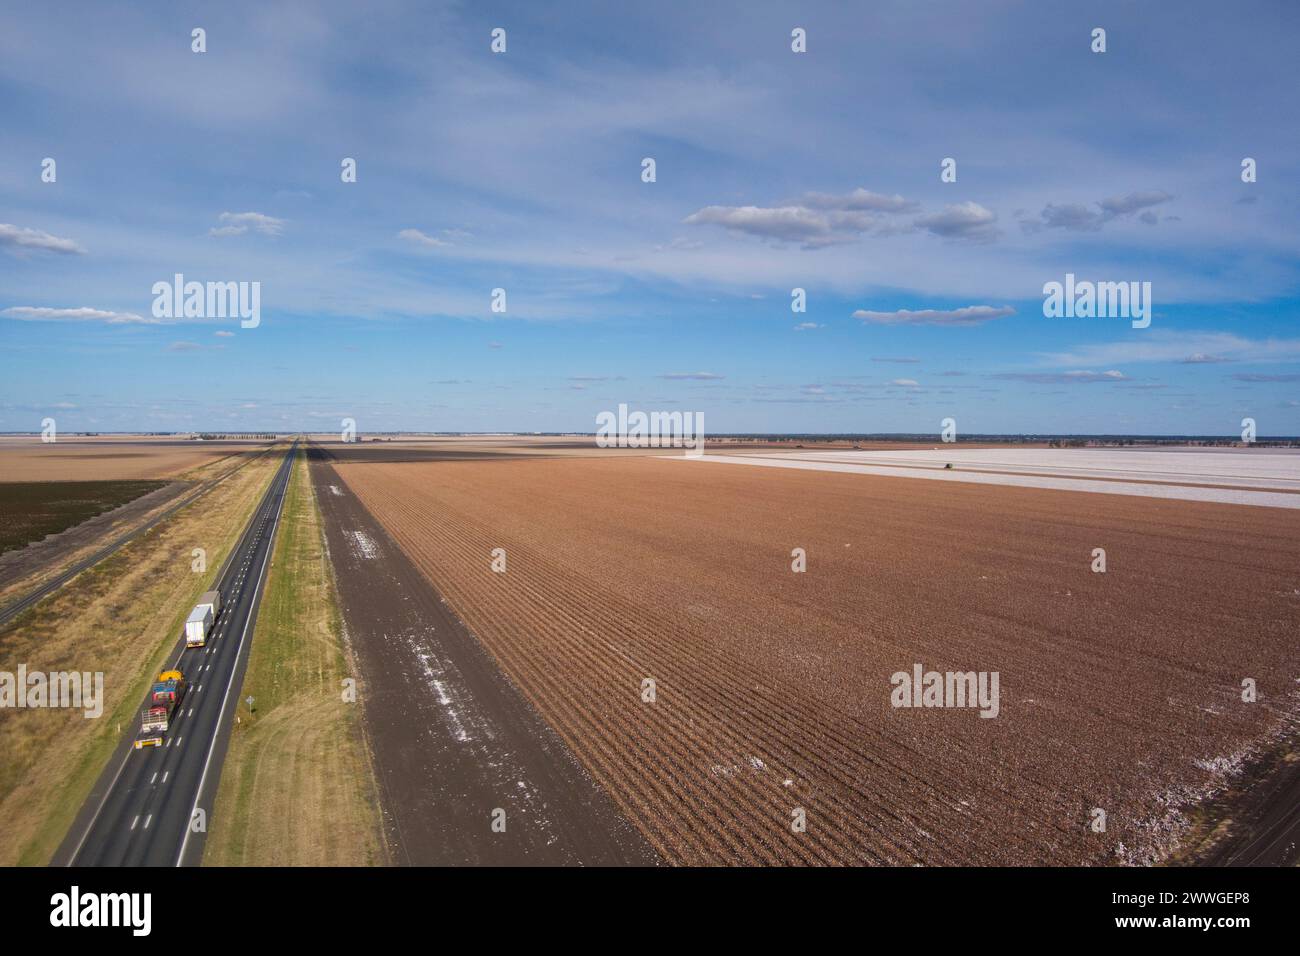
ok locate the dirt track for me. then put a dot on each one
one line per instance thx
(453, 739)
(1119, 690)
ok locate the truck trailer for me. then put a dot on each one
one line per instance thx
(164, 701)
(199, 624)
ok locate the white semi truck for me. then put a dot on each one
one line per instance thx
(199, 623)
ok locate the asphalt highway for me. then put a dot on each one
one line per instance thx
(140, 810)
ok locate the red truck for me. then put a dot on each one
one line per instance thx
(164, 699)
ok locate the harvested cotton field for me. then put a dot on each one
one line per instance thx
(1120, 692)
(1268, 478)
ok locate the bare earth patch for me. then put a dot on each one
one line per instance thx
(109, 459)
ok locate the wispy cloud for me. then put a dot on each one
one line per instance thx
(19, 239)
(1243, 377)
(1063, 378)
(421, 239)
(1163, 346)
(239, 223)
(692, 376)
(1077, 217)
(27, 313)
(968, 315)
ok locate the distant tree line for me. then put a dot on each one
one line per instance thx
(227, 436)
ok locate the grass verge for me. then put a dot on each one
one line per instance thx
(297, 786)
(122, 618)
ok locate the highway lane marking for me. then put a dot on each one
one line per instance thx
(127, 756)
(100, 809)
(178, 742)
(243, 635)
(135, 821)
(153, 778)
(148, 820)
(166, 774)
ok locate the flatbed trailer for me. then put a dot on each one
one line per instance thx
(164, 705)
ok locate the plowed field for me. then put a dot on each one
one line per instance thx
(1119, 690)
(106, 459)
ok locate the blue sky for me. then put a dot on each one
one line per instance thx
(775, 170)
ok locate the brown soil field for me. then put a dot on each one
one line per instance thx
(1119, 691)
(84, 459)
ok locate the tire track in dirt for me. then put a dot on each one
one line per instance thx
(453, 739)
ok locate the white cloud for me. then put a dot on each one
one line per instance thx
(815, 219)
(905, 382)
(808, 326)
(28, 313)
(693, 376)
(419, 238)
(19, 238)
(783, 223)
(967, 220)
(860, 200)
(238, 223)
(969, 315)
